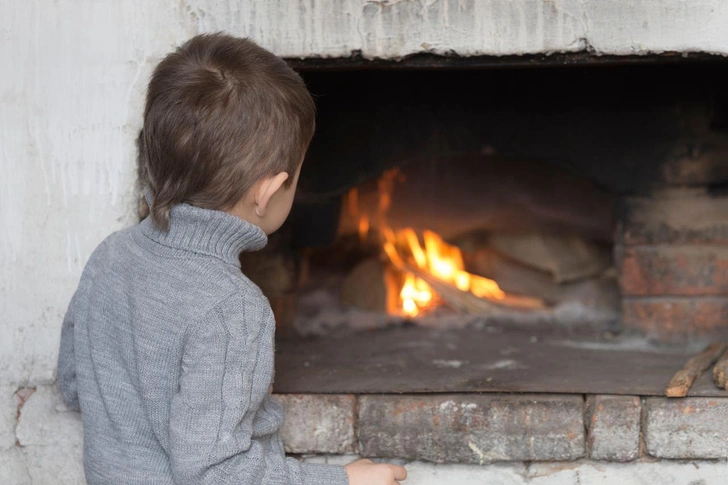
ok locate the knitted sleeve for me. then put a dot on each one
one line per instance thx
(67, 382)
(216, 435)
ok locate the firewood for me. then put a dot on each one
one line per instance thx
(682, 380)
(521, 302)
(458, 299)
(567, 258)
(720, 372)
(469, 303)
(601, 294)
(365, 287)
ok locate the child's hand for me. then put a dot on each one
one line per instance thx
(366, 472)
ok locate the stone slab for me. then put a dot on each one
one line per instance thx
(580, 472)
(634, 473)
(472, 428)
(318, 423)
(613, 427)
(492, 359)
(689, 428)
(419, 473)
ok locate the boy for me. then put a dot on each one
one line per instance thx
(167, 349)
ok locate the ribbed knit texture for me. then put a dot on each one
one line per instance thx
(167, 349)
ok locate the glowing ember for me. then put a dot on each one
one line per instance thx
(437, 258)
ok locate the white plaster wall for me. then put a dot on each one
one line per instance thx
(72, 78)
(580, 472)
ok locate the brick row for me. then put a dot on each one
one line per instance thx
(673, 319)
(674, 270)
(484, 428)
(681, 216)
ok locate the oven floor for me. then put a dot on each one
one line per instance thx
(492, 359)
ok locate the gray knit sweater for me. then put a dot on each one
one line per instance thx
(167, 349)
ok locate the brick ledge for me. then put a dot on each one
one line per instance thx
(487, 428)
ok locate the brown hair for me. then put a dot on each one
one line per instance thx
(221, 113)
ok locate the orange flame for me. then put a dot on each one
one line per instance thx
(439, 259)
(407, 294)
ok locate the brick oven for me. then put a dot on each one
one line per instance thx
(572, 151)
(590, 191)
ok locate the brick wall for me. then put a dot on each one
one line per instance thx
(673, 258)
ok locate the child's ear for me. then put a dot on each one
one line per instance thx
(268, 187)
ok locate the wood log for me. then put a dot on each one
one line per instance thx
(567, 258)
(365, 287)
(469, 303)
(682, 380)
(521, 302)
(720, 372)
(602, 294)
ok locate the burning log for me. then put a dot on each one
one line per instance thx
(375, 286)
(435, 267)
(469, 303)
(440, 266)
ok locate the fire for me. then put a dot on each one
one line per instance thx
(416, 258)
(438, 259)
(415, 295)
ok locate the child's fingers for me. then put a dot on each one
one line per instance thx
(399, 472)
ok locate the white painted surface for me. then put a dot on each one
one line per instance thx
(582, 472)
(396, 28)
(72, 78)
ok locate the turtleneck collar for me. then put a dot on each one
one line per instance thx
(209, 232)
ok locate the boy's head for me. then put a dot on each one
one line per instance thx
(226, 127)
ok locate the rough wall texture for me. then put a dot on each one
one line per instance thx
(395, 28)
(71, 93)
(579, 472)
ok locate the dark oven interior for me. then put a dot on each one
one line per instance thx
(516, 176)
